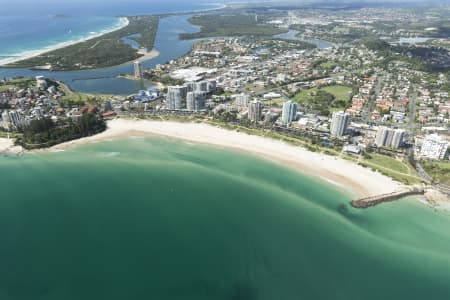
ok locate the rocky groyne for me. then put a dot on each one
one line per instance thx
(375, 200)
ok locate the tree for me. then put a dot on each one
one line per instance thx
(45, 133)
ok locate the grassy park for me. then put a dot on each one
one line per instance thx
(324, 99)
(397, 169)
(439, 171)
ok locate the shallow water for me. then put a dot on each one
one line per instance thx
(157, 218)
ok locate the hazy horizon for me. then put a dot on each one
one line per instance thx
(111, 7)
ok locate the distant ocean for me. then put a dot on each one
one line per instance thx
(28, 26)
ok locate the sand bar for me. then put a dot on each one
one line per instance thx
(146, 56)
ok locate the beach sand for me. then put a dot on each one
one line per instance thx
(346, 175)
(146, 56)
(7, 147)
(30, 54)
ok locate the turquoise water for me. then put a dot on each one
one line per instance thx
(23, 35)
(27, 26)
(37, 29)
(103, 80)
(161, 219)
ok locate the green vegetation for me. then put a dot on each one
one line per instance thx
(11, 135)
(388, 162)
(340, 92)
(46, 133)
(146, 27)
(72, 98)
(391, 167)
(323, 100)
(376, 44)
(429, 59)
(270, 134)
(315, 100)
(20, 83)
(104, 51)
(388, 166)
(80, 99)
(439, 171)
(328, 65)
(278, 102)
(230, 25)
(335, 32)
(166, 79)
(223, 122)
(282, 47)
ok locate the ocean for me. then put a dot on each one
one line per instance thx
(24, 35)
(27, 26)
(156, 218)
(104, 81)
(39, 28)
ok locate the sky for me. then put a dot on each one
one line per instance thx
(87, 6)
(96, 7)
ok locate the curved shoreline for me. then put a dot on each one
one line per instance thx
(345, 175)
(123, 22)
(148, 55)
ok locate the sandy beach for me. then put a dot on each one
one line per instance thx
(147, 55)
(123, 22)
(346, 175)
(7, 147)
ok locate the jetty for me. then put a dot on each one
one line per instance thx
(375, 200)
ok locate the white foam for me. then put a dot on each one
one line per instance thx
(57, 150)
(112, 154)
(123, 22)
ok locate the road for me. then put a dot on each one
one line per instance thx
(368, 107)
(412, 109)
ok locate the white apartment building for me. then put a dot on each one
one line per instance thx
(434, 147)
